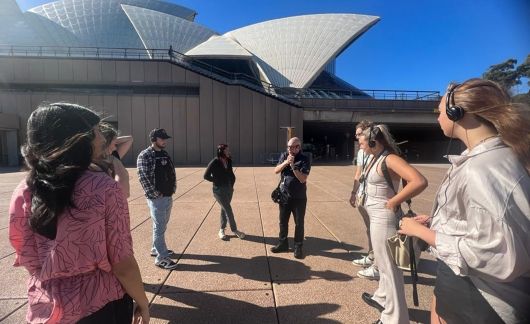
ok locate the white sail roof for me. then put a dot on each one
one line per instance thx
(219, 47)
(293, 51)
(288, 52)
(159, 30)
(103, 23)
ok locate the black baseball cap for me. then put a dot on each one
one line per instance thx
(158, 133)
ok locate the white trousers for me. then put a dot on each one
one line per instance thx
(391, 290)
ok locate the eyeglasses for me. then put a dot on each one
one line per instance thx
(293, 146)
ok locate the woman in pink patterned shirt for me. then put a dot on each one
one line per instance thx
(70, 226)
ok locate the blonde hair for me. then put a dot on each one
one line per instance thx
(364, 124)
(492, 105)
(381, 134)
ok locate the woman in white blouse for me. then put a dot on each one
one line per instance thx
(480, 225)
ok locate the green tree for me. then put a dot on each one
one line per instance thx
(506, 74)
(524, 70)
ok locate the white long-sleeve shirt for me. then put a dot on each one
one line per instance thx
(482, 221)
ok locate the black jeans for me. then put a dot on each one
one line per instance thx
(115, 312)
(297, 207)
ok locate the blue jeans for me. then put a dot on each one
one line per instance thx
(223, 195)
(160, 209)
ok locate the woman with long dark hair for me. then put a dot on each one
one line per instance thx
(480, 223)
(220, 172)
(70, 227)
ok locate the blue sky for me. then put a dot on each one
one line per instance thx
(417, 44)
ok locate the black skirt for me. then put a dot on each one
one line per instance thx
(115, 312)
(459, 301)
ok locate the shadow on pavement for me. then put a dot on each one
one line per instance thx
(202, 307)
(313, 246)
(249, 268)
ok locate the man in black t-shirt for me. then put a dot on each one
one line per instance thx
(294, 167)
(157, 176)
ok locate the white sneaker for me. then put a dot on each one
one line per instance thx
(370, 273)
(365, 261)
(222, 234)
(239, 234)
(166, 263)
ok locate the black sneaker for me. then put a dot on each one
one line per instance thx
(280, 247)
(166, 263)
(367, 298)
(298, 252)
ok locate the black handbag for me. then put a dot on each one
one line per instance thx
(279, 195)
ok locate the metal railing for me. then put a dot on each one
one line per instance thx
(369, 94)
(292, 95)
(174, 57)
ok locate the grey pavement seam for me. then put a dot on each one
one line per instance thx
(163, 282)
(328, 229)
(266, 252)
(13, 311)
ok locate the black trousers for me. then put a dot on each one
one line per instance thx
(459, 301)
(115, 312)
(297, 208)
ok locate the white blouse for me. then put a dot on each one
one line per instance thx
(482, 221)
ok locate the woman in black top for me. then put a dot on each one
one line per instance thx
(220, 172)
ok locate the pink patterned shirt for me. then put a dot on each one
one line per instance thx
(71, 277)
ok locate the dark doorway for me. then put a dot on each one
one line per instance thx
(335, 141)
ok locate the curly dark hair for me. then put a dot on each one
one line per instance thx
(57, 151)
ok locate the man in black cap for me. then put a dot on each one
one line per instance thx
(158, 179)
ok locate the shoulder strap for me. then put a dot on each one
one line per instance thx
(388, 179)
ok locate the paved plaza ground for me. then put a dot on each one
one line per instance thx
(240, 281)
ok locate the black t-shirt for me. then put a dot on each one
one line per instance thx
(165, 177)
(294, 187)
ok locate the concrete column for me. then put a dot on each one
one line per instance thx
(290, 132)
(12, 148)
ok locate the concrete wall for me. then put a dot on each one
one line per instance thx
(197, 120)
(387, 117)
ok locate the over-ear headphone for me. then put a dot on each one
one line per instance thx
(454, 112)
(374, 131)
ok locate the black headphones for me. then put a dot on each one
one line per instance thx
(374, 131)
(454, 112)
